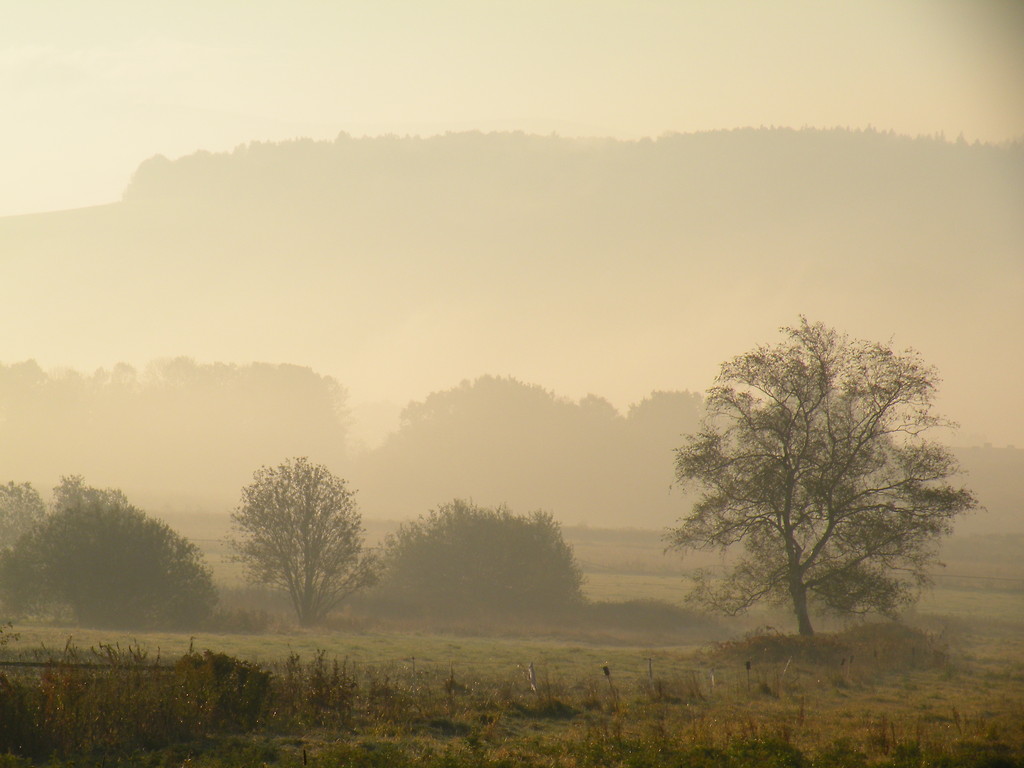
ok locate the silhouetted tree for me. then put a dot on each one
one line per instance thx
(20, 507)
(299, 529)
(73, 493)
(497, 437)
(109, 564)
(463, 559)
(812, 458)
(500, 438)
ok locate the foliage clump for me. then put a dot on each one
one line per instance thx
(114, 700)
(466, 560)
(226, 693)
(20, 508)
(107, 564)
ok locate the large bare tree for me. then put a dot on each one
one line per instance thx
(298, 528)
(813, 457)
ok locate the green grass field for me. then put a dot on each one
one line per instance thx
(950, 692)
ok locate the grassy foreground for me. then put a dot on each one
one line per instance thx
(883, 695)
(947, 689)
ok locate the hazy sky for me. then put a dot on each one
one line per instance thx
(90, 89)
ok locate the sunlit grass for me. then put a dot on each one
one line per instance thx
(878, 691)
(463, 697)
(429, 654)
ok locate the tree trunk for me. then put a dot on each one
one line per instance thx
(799, 593)
(307, 613)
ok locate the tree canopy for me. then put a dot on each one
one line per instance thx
(298, 528)
(814, 458)
(501, 438)
(20, 507)
(462, 559)
(108, 564)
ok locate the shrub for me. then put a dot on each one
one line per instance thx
(123, 701)
(315, 693)
(462, 559)
(228, 694)
(110, 565)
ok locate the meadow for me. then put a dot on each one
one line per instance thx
(944, 687)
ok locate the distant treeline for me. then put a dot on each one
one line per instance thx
(182, 435)
(777, 174)
(185, 434)
(499, 440)
(179, 433)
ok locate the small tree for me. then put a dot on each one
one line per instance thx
(299, 529)
(21, 506)
(462, 559)
(813, 457)
(110, 565)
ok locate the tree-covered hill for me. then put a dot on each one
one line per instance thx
(399, 265)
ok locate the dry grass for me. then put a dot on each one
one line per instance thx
(947, 689)
(877, 689)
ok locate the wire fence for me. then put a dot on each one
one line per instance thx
(411, 669)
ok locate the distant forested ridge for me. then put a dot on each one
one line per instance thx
(845, 190)
(468, 253)
(384, 230)
(778, 174)
(396, 266)
(562, 224)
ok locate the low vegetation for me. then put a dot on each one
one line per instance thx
(872, 695)
(621, 674)
(462, 560)
(105, 563)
